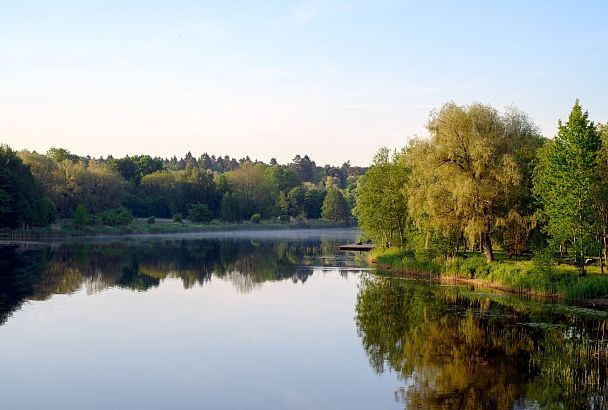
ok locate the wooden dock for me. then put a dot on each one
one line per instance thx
(361, 247)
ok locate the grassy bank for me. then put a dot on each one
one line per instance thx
(140, 227)
(536, 276)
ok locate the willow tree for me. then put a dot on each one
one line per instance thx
(381, 205)
(470, 173)
(565, 182)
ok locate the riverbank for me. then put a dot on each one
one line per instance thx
(528, 277)
(141, 227)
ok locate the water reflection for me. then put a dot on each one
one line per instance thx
(38, 271)
(453, 348)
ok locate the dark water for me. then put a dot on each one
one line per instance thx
(276, 320)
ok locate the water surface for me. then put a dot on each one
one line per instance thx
(274, 320)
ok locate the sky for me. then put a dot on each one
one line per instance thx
(271, 79)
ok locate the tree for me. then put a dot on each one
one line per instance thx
(95, 185)
(313, 201)
(381, 205)
(470, 170)
(230, 208)
(335, 207)
(255, 192)
(20, 195)
(304, 167)
(295, 201)
(62, 154)
(200, 213)
(81, 215)
(284, 178)
(565, 181)
(51, 177)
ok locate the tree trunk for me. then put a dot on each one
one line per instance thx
(486, 246)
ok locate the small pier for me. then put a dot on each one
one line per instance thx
(361, 247)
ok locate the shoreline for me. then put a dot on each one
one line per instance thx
(144, 229)
(596, 303)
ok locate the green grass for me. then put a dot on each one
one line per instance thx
(519, 275)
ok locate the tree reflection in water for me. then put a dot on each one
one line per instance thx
(37, 273)
(453, 348)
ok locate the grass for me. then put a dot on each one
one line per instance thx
(140, 227)
(532, 276)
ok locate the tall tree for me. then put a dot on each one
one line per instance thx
(335, 207)
(565, 181)
(20, 195)
(471, 164)
(381, 205)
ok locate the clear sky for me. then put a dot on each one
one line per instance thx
(333, 79)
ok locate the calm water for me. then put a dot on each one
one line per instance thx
(276, 320)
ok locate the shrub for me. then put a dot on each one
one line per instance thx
(178, 217)
(151, 220)
(284, 218)
(116, 216)
(200, 213)
(81, 215)
(256, 218)
(473, 267)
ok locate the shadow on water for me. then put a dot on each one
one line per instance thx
(454, 348)
(32, 271)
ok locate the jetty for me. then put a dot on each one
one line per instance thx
(362, 247)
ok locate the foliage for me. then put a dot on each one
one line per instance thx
(81, 215)
(468, 176)
(335, 207)
(20, 194)
(115, 217)
(256, 218)
(200, 213)
(565, 181)
(381, 205)
(230, 208)
(253, 190)
(178, 218)
(151, 220)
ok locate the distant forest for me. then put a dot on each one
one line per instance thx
(38, 189)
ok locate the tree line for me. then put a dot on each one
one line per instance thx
(484, 179)
(37, 189)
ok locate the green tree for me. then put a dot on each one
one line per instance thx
(20, 194)
(381, 205)
(469, 174)
(51, 177)
(81, 215)
(230, 208)
(335, 207)
(565, 181)
(283, 177)
(255, 192)
(62, 154)
(200, 213)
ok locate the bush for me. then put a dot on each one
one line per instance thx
(200, 213)
(178, 217)
(116, 216)
(81, 215)
(284, 218)
(474, 267)
(256, 218)
(151, 220)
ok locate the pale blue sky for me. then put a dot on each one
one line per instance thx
(334, 79)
